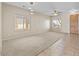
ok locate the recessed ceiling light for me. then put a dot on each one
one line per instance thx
(31, 13)
(29, 8)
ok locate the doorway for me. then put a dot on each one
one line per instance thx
(74, 24)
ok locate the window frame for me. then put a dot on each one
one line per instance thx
(25, 23)
(58, 18)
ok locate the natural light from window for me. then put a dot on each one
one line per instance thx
(22, 23)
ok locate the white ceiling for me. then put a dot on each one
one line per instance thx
(48, 7)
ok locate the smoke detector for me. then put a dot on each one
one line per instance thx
(31, 3)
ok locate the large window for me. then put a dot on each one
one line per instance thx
(22, 23)
(56, 23)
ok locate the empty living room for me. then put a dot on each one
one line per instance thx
(39, 28)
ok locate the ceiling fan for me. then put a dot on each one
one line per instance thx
(56, 13)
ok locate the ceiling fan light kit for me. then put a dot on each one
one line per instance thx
(56, 13)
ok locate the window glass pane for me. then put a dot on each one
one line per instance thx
(22, 23)
(56, 23)
(20, 20)
(20, 26)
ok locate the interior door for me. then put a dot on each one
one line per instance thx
(78, 23)
(74, 24)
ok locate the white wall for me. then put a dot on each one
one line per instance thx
(39, 23)
(0, 31)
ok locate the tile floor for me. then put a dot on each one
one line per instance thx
(64, 47)
(46, 44)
